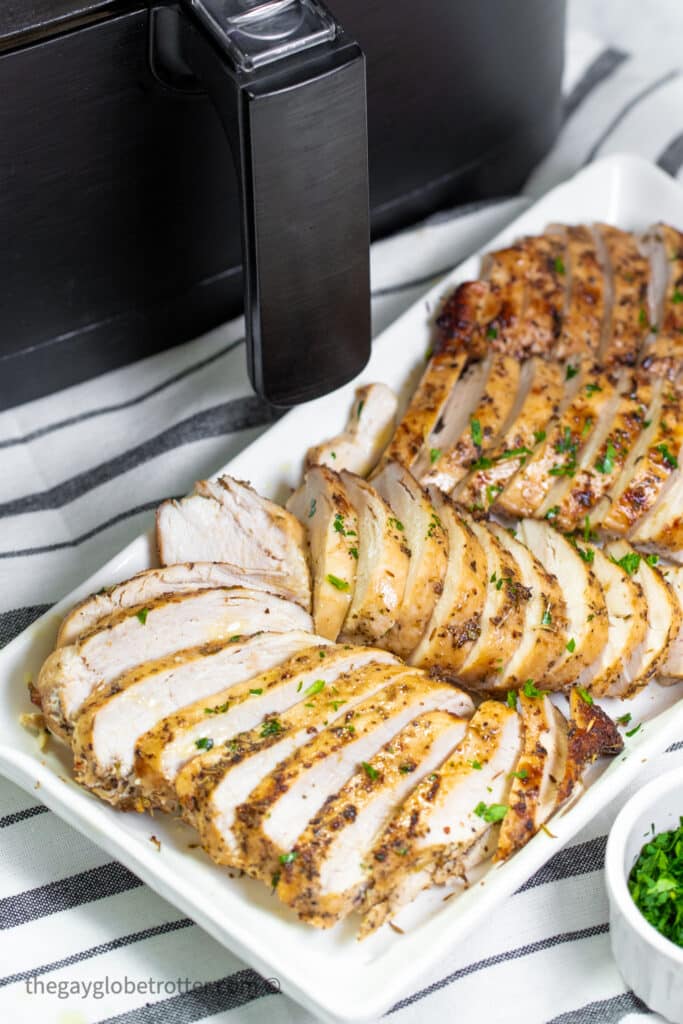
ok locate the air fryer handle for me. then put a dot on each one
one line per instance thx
(298, 131)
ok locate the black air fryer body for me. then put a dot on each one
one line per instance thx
(119, 212)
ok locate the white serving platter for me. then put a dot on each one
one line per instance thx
(330, 973)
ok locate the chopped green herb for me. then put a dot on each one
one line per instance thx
(338, 523)
(435, 522)
(633, 731)
(629, 562)
(397, 524)
(677, 297)
(547, 619)
(354, 553)
(476, 432)
(274, 881)
(539, 435)
(405, 769)
(584, 695)
(219, 709)
(321, 654)
(512, 453)
(142, 615)
(606, 463)
(553, 512)
(586, 554)
(333, 455)
(371, 772)
(567, 468)
(336, 582)
(301, 683)
(475, 764)
(271, 727)
(205, 743)
(566, 442)
(647, 423)
(652, 559)
(257, 691)
(482, 463)
(336, 704)
(588, 534)
(314, 688)
(512, 699)
(587, 426)
(311, 511)
(491, 812)
(670, 459)
(434, 455)
(360, 408)
(571, 645)
(531, 690)
(559, 266)
(521, 774)
(287, 858)
(592, 388)
(235, 638)
(624, 719)
(656, 883)
(642, 317)
(492, 492)
(492, 332)
(571, 372)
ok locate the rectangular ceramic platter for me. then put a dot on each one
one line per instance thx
(330, 972)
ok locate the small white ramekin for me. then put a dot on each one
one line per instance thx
(650, 964)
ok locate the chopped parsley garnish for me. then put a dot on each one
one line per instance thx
(606, 463)
(257, 691)
(475, 764)
(492, 492)
(539, 435)
(333, 455)
(564, 469)
(336, 582)
(338, 523)
(219, 709)
(512, 699)
(336, 704)
(656, 883)
(629, 562)
(547, 619)
(521, 774)
(311, 511)
(371, 772)
(571, 372)
(651, 559)
(274, 881)
(571, 645)
(287, 858)
(677, 297)
(321, 654)
(624, 719)
(531, 690)
(670, 459)
(642, 317)
(354, 553)
(566, 442)
(141, 616)
(434, 455)
(492, 332)
(592, 388)
(584, 695)
(512, 453)
(476, 432)
(405, 769)
(491, 812)
(271, 727)
(235, 638)
(314, 688)
(205, 743)
(360, 408)
(396, 523)
(559, 266)
(553, 512)
(435, 521)
(635, 729)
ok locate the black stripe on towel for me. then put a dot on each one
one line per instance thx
(570, 862)
(65, 894)
(604, 65)
(14, 622)
(671, 158)
(604, 1011)
(27, 812)
(641, 95)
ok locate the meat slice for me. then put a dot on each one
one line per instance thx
(544, 637)
(368, 431)
(114, 717)
(582, 326)
(537, 775)
(448, 823)
(382, 564)
(280, 807)
(627, 625)
(672, 669)
(556, 458)
(141, 634)
(663, 619)
(453, 422)
(322, 505)
(415, 517)
(326, 878)
(600, 467)
(546, 291)
(227, 521)
(503, 617)
(627, 323)
(506, 272)
(535, 407)
(173, 739)
(173, 579)
(455, 624)
(481, 431)
(587, 622)
(591, 734)
(651, 472)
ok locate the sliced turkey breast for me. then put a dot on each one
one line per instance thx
(627, 322)
(506, 272)
(599, 469)
(480, 432)
(663, 619)
(227, 521)
(382, 564)
(368, 431)
(212, 785)
(326, 878)
(451, 425)
(446, 817)
(455, 624)
(546, 291)
(426, 536)
(672, 668)
(582, 323)
(627, 624)
(170, 742)
(591, 734)
(544, 637)
(557, 456)
(171, 579)
(503, 618)
(280, 807)
(535, 407)
(115, 717)
(538, 773)
(322, 505)
(141, 634)
(587, 621)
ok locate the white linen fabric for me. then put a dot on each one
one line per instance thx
(82, 471)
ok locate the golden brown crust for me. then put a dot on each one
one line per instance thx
(583, 320)
(629, 322)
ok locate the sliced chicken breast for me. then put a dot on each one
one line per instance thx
(115, 717)
(416, 518)
(446, 817)
(360, 445)
(546, 291)
(544, 637)
(325, 879)
(455, 624)
(227, 521)
(479, 434)
(141, 634)
(582, 324)
(591, 734)
(587, 621)
(171, 579)
(170, 742)
(627, 625)
(663, 619)
(323, 506)
(506, 272)
(537, 776)
(503, 618)
(527, 429)
(382, 564)
(280, 807)
(627, 323)
(672, 668)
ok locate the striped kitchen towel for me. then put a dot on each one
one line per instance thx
(82, 471)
